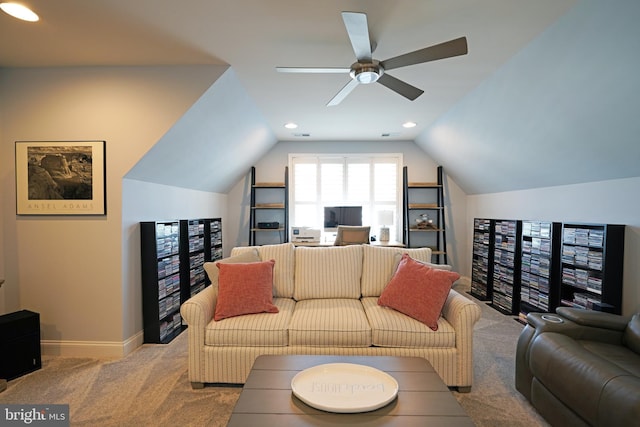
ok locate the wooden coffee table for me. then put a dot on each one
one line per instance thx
(423, 398)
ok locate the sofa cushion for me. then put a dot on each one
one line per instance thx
(212, 271)
(329, 272)
(244, 288)
(378, 266)
(253, 330)
(632, 334)
(329, 323)
(418, 291)
(283, 270)
(390, 328)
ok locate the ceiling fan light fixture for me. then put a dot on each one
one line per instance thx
(19, 11)
(366, 76)
(366, 73)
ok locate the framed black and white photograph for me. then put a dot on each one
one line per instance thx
(60, 178)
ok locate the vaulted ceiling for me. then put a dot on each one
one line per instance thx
(543, 77)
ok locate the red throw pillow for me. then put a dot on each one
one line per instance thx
(244, 288)
(418, 291)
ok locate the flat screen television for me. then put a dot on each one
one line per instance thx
(342, 215)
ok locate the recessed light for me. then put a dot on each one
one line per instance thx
(409, 125)
(291, 125)
(19, 11)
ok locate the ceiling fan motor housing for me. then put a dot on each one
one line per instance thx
(365, 73)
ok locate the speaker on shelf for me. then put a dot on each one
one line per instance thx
(269, 225)
(19, 344)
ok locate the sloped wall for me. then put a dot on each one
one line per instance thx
(562, 111)
(70, 269)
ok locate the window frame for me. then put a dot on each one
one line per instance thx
(370, 205)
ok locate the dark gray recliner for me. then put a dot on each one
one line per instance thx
(583, 369)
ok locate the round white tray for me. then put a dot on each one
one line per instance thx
(344, 387)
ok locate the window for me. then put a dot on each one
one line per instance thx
(368, 180)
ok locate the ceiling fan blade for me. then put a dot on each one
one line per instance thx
(398, 86)
(346, 90)
(448, 49)
(358, 31)
(311, 70)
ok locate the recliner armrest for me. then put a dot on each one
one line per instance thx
(593, 325)
(592, 318)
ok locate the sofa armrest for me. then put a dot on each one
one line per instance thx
(197, 312)
(462, 314)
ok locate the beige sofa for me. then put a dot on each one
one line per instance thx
(327, 301)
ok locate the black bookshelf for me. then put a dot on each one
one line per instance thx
(161, 284)
(482, 265)
(424, 215)
(506, 266)
(269, 211)
(192, 257)
(540, 267)
(592, 263)
(213, 232)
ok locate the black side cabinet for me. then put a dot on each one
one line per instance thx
(19, 344)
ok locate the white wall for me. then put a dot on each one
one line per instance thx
(420, 168)
(71, 269)
(609, 202)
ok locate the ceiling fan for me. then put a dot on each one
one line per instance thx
(367, 70)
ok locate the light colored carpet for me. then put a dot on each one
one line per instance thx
(150, 386)
(493, 400)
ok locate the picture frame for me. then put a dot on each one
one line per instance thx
(60, 177)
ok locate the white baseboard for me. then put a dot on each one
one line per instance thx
(133, 342)
(95, 349)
